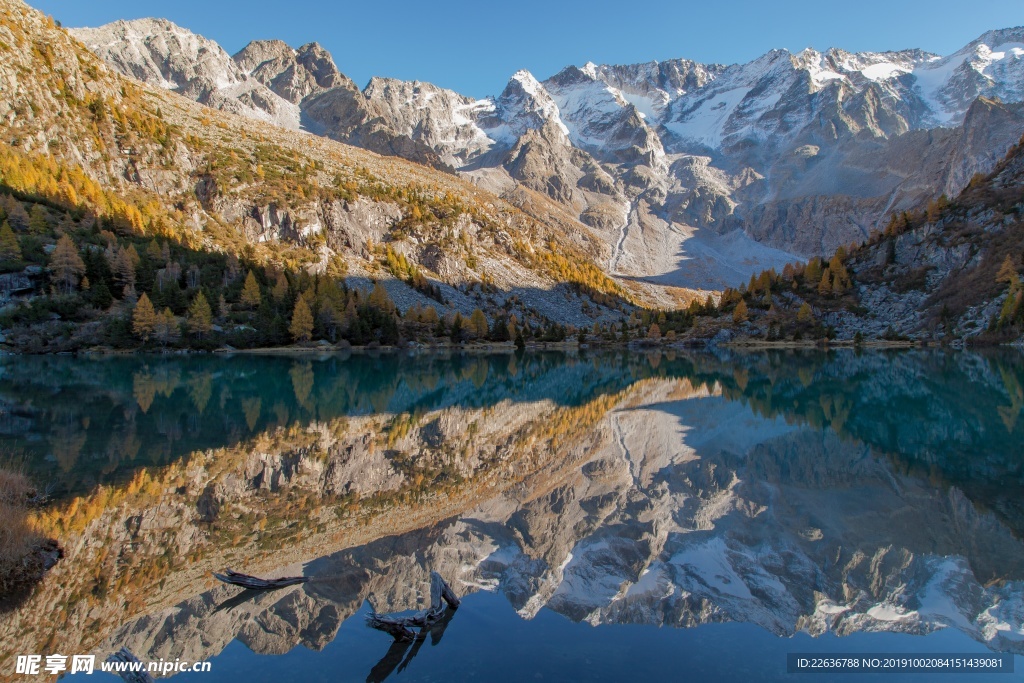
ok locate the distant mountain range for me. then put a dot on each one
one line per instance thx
(568, 201)
(695, 175)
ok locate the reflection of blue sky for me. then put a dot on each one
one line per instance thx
(487, 640)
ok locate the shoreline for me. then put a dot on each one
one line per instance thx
(838, 344)
(510, 347)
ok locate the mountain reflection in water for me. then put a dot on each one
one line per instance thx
(839, 493)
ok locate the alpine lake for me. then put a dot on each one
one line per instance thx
(603, 515)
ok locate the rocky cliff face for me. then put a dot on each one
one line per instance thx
(158, 52)
(292, 74)
(798, 152)
(946, 273)
(162, 164)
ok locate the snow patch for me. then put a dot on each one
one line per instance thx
(830, 608)
(936, 601)
(706, 123)
(710, 563)
(931, 78)
(883, 71)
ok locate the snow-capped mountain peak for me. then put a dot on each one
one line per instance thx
(992, 66)
(524, 105)
(803, 151)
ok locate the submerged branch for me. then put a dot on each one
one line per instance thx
(400, 627)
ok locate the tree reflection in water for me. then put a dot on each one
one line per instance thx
(657, 471)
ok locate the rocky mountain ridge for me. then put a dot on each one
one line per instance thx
(694, 175)
(82, 138)
(951, 272)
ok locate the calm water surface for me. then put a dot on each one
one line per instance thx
(606, 516)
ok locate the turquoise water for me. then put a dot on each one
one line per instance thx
(606, 516)
(80, 423)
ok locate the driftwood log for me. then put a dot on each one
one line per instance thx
(400, 627)
(256, 583)
(402, 652)
(125, 655)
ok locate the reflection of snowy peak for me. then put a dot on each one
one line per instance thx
(801, 152)
(788, 528)
(687, 509)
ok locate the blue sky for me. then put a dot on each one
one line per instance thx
(474, 47)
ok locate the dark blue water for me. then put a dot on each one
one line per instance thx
(487, 641)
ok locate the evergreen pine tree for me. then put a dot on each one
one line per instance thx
(167, 327)
(280, 291)
(153, 251)
(380, 298)
(825, 284)
(812, 273)
(1012, 305)
(457, 327)
(429, 316)
(100, 296)
(1007, 272)
(478, 324)
(123, 268)
(740, 315)
(499, 330)
(16, 214)
(709, 306)
(805, 314)
(441, 328)
(838, 284)
(38, 221)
